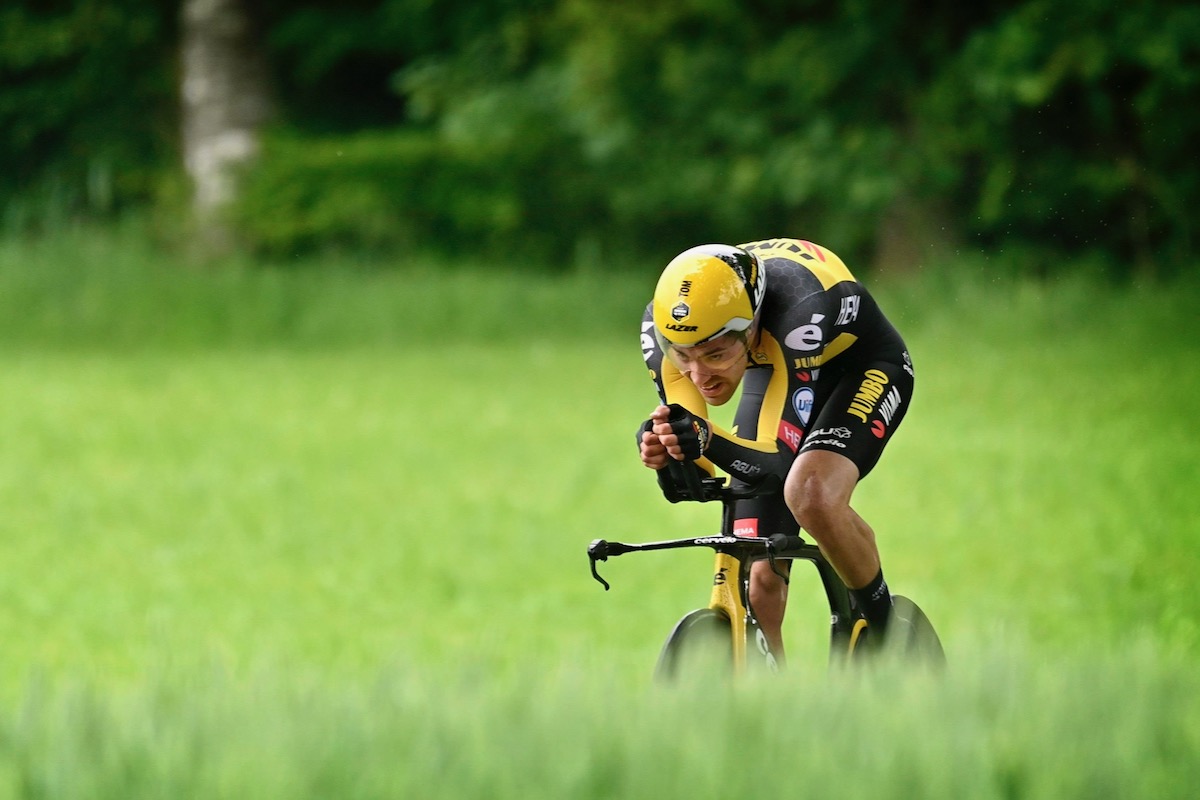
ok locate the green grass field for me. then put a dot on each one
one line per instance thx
(292, 532)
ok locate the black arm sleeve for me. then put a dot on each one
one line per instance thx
(746, 463)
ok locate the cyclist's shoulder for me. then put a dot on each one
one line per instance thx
(803, 278)
(799, 267)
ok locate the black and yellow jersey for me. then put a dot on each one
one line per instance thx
(827, 371)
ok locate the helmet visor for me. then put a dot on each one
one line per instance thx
(714, 355)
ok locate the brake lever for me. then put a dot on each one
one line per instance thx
(598, 551)
(771, 542)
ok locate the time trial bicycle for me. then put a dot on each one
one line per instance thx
(725, 635)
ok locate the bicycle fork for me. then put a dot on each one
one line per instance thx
(729, 597)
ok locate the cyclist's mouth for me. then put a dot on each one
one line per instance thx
(710, 389)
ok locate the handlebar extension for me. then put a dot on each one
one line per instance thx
(684, 481)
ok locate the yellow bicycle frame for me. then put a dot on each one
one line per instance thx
(727, 598)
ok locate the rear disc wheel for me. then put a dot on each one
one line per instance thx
(911, 636)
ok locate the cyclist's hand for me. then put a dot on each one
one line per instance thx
(654, 454)
(684, 435)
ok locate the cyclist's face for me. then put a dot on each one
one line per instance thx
(715, 367)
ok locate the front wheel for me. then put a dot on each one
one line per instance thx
(700, 647)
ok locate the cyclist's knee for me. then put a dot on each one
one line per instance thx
(817, 500)
(806, 496)
(764, 578)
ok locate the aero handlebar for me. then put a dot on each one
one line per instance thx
(756, 547)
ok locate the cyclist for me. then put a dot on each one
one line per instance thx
(825, 381)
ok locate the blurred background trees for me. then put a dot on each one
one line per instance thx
(565, 132)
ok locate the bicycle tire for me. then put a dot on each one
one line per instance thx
(699, 648)
(911, 636)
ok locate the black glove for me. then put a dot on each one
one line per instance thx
(674, 481)
(693, 431)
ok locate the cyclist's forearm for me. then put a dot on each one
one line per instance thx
(748, 461)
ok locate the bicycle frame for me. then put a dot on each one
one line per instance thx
(730, 594)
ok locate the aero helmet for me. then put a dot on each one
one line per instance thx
(706, 292)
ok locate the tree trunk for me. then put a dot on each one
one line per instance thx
(226, 99)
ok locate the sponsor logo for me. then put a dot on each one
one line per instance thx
(764, 649)
(908, 365)
(802, 401)
(719, 578)
(755, 286)
(745, 527)
(648, 345)
(745, 468)
(868, 394)
(806, 337)
(887, 409)
(804, 375)
(838, 443)
(842, 342)
(879, 429)
(849, 311)
(812, 248)
(680, 311)
(790, 435)
(701, 434)
(673, 326)
(797, 246)
(841, 433)
(716, 540)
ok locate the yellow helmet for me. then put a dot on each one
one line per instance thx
(706, 292)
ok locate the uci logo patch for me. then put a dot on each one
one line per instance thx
(680, 311)
(802, 401)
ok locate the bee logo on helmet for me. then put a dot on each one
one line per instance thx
(724, 288)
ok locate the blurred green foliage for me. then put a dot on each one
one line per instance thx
(87, 106)
(568, 131)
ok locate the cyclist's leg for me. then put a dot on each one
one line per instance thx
(818, 491)
(768, 599)
(766, 516)
(847, 437)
